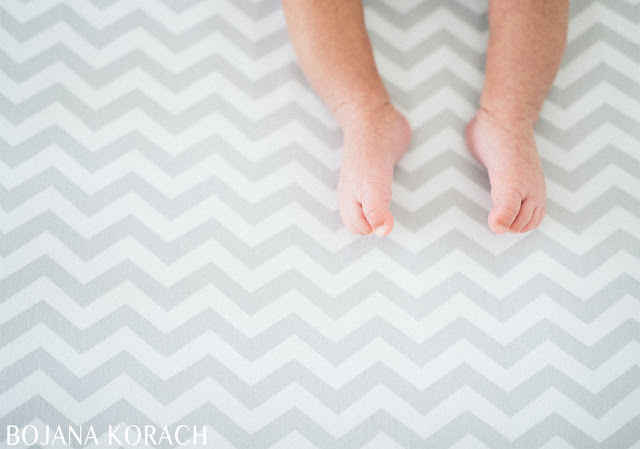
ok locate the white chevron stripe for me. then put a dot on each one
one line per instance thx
(176, 22)
(337, 424)
(407, 39)
(268, 102)
(442, 58)
(251, 372)
(602, 94)
(598, 53)
(467, 442)
(601, 14)
(385, 441)
(458, 307)
(293, 439)
(140, 39)
(292, 133)
(592, 189)
(451, 178)
(294, 259)
(136, 80)
(250, 235)
(571, 157)
(293, 174)
(557, 443)
(444, 141)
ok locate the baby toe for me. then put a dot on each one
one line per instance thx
(527, 209)
(506, 206)
(535, 220)
(353, 218)
(375, 199)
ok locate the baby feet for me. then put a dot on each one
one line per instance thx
(374, 140)
(507, 148)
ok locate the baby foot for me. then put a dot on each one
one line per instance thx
(374, 140)
(507, 148)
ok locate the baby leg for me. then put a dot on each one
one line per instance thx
(526, 44)
(331, 42)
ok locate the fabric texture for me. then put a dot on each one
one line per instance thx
(171, 250)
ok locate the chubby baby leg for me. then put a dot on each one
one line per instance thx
(526, 44)
(332, 45)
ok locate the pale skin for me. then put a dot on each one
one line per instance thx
(527, 39)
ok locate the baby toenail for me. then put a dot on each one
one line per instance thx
(501, 227)
(380, 230)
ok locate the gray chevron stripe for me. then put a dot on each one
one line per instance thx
(252, 396)
(177, 42)
(252, 302)
(96, 119)
(601, 73)
(62, 268)
(137, 59)
(90, 204)
(135, 100)
(462, 11)
(444, 38)
(136, 20)
(254, 8)
(589, 214)
(566, 139)
(176, 82)
(251, 348)
(260, 8)
(380, 422)
(424, 9)
(625, 8)
(600, 33)
(252, 257)
(195, 154)
(255, 171)
(607, 156)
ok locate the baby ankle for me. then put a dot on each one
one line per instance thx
(348, 111)
(510, 111)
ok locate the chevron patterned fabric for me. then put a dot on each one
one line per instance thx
(171, 251)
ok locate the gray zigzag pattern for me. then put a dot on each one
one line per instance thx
(377, 328)
(100, 38)
(139, 59)
(176, 82)
(255, 9)
(252, 257)
(529, 253)
(254, 213)
(97, 159)
(258, 129)
(380, 422)
(178, 42)
(253, 396)
(23, 31)
(502, 309)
